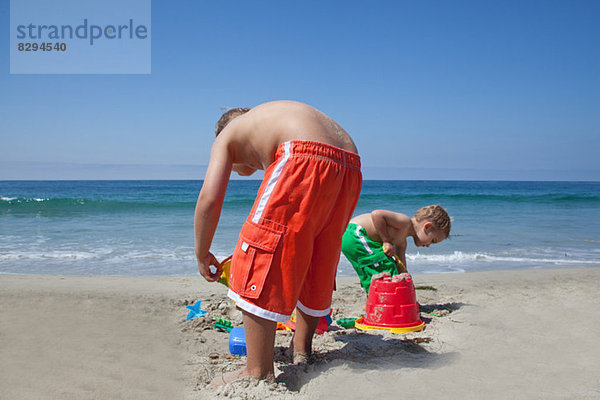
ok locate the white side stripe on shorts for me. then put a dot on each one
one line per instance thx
(362, 239)
(271, 183)
(364, 242)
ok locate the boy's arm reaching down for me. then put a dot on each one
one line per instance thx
(391, 228)
(208, 209)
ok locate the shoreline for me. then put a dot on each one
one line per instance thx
(501, 334)
(576, 265)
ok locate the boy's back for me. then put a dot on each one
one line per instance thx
(398, 231)
(256, 135)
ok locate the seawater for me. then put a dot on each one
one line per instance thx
(145, 228)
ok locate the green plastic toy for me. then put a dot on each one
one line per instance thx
(346, 322)
(222, 323)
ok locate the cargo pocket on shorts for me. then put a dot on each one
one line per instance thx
(252, 259)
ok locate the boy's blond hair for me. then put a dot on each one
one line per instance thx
(437, 215)
(228, 116)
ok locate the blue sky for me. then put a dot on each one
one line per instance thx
(428, 90)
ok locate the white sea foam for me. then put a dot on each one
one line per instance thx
(20, 200)
(458, 262)
(181, 261)
(459, 257)
(57, 255)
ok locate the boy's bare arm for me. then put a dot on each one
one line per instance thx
(391, 228)
(208, 208)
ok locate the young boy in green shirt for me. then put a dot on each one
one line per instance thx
(376, 242)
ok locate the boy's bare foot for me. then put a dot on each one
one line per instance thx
(224, 378)
(298, 358)
(302, 358)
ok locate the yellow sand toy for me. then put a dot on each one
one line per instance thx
(400, 264)
(226, 265)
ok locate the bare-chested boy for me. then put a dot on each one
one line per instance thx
(287, 253)
(372, 241)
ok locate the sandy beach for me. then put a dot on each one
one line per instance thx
(526, 334)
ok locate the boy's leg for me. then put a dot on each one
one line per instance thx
(317, 289)
(302, 340)
(260, 342)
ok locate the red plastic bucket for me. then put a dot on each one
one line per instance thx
(392, 304)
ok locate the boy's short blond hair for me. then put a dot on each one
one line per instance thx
(437, 215)
(228, 116)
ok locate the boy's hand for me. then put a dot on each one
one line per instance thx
(389, 249)
(204, 265)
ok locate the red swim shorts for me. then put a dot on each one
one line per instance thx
(289, 247)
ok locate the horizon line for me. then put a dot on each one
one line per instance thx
(31, 171)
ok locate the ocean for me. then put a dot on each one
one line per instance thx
(145, 228)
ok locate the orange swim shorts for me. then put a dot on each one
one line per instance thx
(289, 247)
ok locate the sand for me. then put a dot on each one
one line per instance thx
(529, 334)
